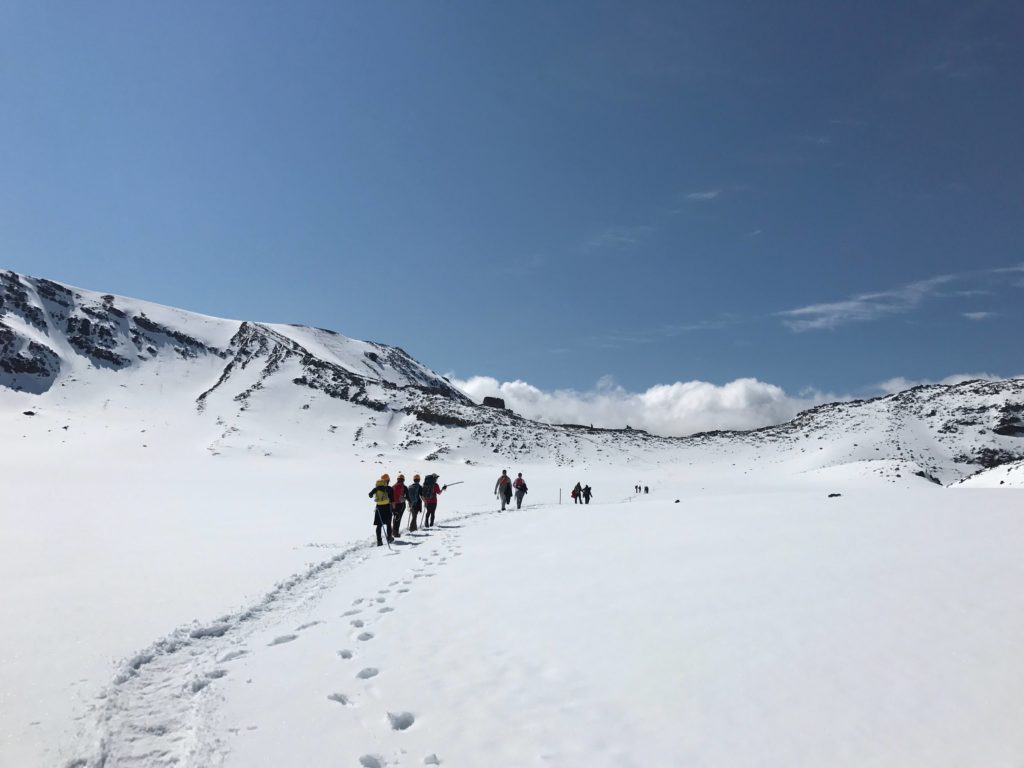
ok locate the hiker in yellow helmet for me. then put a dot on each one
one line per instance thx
(382, 498)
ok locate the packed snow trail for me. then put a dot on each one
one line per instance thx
(160, 707)
(880, 628)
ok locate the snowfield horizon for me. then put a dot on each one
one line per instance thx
(190, 578)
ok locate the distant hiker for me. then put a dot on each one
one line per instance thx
(646, 489)
(431, 490)
(520, 485)
(398, 491)
(503, 489)
(381, 495)
(577, 494)
(413, 494)
(587, 493)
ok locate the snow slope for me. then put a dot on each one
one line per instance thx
(181, 487)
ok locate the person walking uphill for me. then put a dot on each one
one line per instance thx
(431, 490)
(381, 495)
(413, 493)
(587, 493)
(503, 488)
(577, 494)
(398, 492)
(520, 485)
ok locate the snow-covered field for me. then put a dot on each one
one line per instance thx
(755, 622)
(189, 578)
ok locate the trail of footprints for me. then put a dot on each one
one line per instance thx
(361, 614)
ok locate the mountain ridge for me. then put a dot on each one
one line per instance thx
(273, 388)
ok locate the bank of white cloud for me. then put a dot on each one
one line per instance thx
(681, 408)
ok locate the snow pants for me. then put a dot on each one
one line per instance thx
(396, 518)
(428, 519)
(414, 509)
(519, 499)
(382, 519)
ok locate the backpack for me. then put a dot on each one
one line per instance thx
(380, 495)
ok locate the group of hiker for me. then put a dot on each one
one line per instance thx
(581, 494)
(506, 486)
(390, 502)
(638, 488)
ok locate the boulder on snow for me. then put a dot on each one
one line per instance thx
(494, 402)
(834, 495)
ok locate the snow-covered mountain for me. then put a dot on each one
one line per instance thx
(190, 580)
(72, 355)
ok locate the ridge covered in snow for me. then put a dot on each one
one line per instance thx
(285, 389)
(190, 579)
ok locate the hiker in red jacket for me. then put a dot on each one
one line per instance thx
(431, 490)
(398, 497)
(520, 485)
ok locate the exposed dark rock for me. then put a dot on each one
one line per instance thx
(494, 402)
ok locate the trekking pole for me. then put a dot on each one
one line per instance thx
(457, 482)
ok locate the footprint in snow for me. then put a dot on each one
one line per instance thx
(403, 590)
(341, 698)
(380, 600)
(357, 601)
(367, 761)
(232, 655)
(401, 721)
(386, 609)
(216, 674)
(345, 654)
(383, 591)
(356, 622)
(307, 625)
(352, 612)
(282, 639)
(364, 636)
(431, 760)
(367, 672)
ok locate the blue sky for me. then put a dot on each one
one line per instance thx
(818, 195)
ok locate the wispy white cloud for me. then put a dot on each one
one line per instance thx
(710, 194)
(614, 339)
(976, 316)
(618, 237)
(666, 409)
(1007, 270)
(818, 140)
(863, 307)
